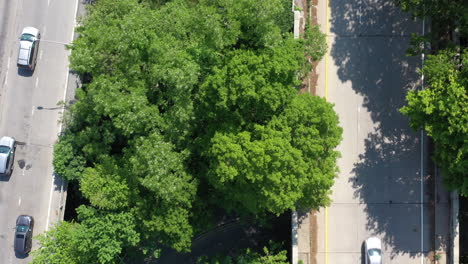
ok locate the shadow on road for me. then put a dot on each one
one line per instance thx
(369, 51)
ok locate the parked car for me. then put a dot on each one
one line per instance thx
(7, 155)
(23, 234)
(28, 48)
(373, 250)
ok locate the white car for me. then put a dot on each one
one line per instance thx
(7, 155)
(373, 250)
(28, 48)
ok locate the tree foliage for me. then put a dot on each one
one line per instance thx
(186, 102)
(442, 111)
(269, 255)
(57, 246)
(288, 163)
(99, 238)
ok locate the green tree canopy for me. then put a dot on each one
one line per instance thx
(99, 238)
(288, 163)
(57, 245)
(166, 93)
(442, 111)
(269, 255)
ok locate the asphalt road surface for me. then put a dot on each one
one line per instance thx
(382, 188)
(29, 113)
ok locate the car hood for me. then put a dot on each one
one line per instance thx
(3, 162)
(373, 242)
(375, 260)
(23, 220)
(30, 30)
(7, 141)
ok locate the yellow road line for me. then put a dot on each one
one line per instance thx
(328, 48)
(326, 98)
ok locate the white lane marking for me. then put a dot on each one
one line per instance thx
(50, 202)
(74, 20)
(48, 2)
(44, 31)
(60, 125)
(19, 201)
(8, 67)
(37, 82)
(40, 55)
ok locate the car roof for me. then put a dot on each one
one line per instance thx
(373, 242)
(23, 56)
(30, 30)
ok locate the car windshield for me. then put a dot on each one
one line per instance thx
(27, 37)
(374, 252)
(4, 149)
(21, 228)
(19, 236)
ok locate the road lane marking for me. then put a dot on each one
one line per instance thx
(6, 74)
(60, 125)
(19, 201)
(37, 82)
(50, 202)
(40, 55)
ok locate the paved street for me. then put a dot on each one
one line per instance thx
(29, 113)
(383, 169)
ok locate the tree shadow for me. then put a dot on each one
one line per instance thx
(368, 48)
(232, 238)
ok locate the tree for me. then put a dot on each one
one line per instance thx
(166, 191)
(442, 111)
(163, 90)
(286, 164)
(103, 235)
(57, 246)
(445, 17)
(252, 86)
(106, 186)
(315, 131)
(99, 238)
(269, 255)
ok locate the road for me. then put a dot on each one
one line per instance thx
(29, 113)
(382, 188)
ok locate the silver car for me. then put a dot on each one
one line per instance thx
(7, 155)
(373, 249)
(28, 48)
